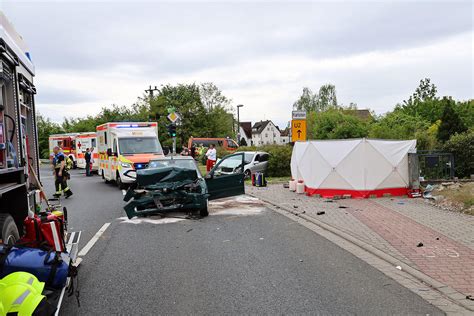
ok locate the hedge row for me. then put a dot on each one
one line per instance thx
(279, 161)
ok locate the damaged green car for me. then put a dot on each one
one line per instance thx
(177, 184)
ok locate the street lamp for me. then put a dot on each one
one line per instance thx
(238, 123)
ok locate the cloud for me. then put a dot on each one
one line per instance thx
(91, 54)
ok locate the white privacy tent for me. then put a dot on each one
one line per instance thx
(358, 167)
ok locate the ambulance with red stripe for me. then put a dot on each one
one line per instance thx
(67, 142)
(126, 146)
(84, 141)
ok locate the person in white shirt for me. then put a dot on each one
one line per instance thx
(211, 155)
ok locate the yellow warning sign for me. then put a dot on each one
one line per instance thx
(298, 130)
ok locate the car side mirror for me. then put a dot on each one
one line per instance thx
(109, 152)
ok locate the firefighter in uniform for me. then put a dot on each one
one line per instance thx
(61, 174)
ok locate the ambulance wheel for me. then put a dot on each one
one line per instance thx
(8, 231)
(119, 182)
(205, 210)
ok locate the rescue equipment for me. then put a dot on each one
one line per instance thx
(45, 231)
(48, 266)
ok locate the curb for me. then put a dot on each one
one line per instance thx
(443, 289)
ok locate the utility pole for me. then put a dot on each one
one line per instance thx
(150, 91)
(238, 123)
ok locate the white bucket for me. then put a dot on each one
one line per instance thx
(300, 188)
(292, 185)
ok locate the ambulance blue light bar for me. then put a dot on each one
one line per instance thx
(132, 125)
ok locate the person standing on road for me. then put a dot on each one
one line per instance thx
(87, 157)
(211, 155)
(61, 174)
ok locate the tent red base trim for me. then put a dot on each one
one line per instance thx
(358, 194)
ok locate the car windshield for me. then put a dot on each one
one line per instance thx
(139, 145)
(182, 163)
(248, 158)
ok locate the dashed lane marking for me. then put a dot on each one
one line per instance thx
(93, 240)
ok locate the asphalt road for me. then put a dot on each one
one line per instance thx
(242, 259)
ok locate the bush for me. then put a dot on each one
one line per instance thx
(462, 146)
(279, 161)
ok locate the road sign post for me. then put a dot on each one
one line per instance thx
(298, 126)
(173, 117)
(298, 130)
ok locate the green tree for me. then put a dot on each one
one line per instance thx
(326, 98)
(462, 146)
(424, 92)
(212, 96)
(423, 102)
(335, 124)
(307, 101)
(46, 128)
(196, 120)
(465, 110)
(398, 125)
(450, 122)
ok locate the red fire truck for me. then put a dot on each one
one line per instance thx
(19, 163)
(67, 142)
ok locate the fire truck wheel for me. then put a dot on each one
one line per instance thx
(8, 230)
(118, 180)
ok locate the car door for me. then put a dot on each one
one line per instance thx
(220, 185)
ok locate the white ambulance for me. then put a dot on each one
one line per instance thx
(126, 146)
(84, 141)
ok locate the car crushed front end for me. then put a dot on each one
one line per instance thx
(161, 190)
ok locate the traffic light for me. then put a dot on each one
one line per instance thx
(172, 130)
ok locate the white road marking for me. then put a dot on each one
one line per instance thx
(151, 220)
(241, 211)
(60, 301)
(93, 240)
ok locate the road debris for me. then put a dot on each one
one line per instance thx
(189, 230)
(342, 206)
(321, 213)
(399, 268)
(420, 244)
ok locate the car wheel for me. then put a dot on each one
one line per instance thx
(119, 182)
(248, 174)
(205, 210)
(8, 231)
(103, 176)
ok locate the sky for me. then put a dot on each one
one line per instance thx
(91, 54)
